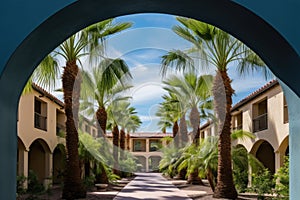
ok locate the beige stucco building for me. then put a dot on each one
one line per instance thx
(264, 113)
(146, 147)
(41, 135)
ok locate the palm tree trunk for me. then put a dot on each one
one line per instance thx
(71, 80)
(128, 141)
(101, 116)
(122, 143)
(115, 133)
(102, 177)
(194, 178)
(183, 132)
(175, 132)
(210, 178)
(225, 186)
(195, 122)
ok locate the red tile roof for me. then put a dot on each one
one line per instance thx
(146, 135)
(47, 94)
(255, 94)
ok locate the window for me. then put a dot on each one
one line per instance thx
(87, 129)
(260, 116)
(94, 133)
(285, 111)
(154, 145)
(238, 121)
(40, 114)
(139, 145)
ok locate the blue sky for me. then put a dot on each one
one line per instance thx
(142, 46)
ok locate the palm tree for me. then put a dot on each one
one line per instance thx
(194, 91)
(104, 86)
(100, 85)
(219, 49)
(81, 44)
(169, 113)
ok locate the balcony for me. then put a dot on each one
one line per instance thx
(40, 121)
(260, 123)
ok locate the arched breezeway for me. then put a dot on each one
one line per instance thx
(39, 160)
(32, 29)
(59, 159)
(264, 152)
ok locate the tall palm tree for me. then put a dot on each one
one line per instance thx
(83, 43)
(103, 87)
(219, 49)
(100, 85)
(169, 113)
(195, 91)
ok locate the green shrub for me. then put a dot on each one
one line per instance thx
(34, 186)
(282, 180)
(262, 183)
(240, 179)
(89, 181)
(20, 184)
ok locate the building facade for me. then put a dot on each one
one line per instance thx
(41, 136)
(265, 114)
(146, 147)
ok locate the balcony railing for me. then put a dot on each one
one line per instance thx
(40, 121)
(139, 149)
(260, 123)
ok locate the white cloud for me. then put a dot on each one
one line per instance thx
(146, 92)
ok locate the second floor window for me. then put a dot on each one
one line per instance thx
(40, 114)
(238, 121)
(260, 116)
(139, 145)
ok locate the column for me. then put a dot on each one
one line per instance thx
(48, 170)
(147, 164)
(23, 164)
(147, 145)
(293, 102)
(279, 159)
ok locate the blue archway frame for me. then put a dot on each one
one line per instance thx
(234, 18)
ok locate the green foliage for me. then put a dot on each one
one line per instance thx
(128, 165)
(240, 168)
(282, 180)
(20, 184)
(34, 186)
(88, 181)
(167, 163)
(262, 183)
(240, 178)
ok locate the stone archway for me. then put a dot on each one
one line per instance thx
(58, 20)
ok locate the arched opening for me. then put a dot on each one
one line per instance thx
(141, 163)
(263, 39)
(265, 154)
(37, 159)
(59, 159)
(154, 163)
